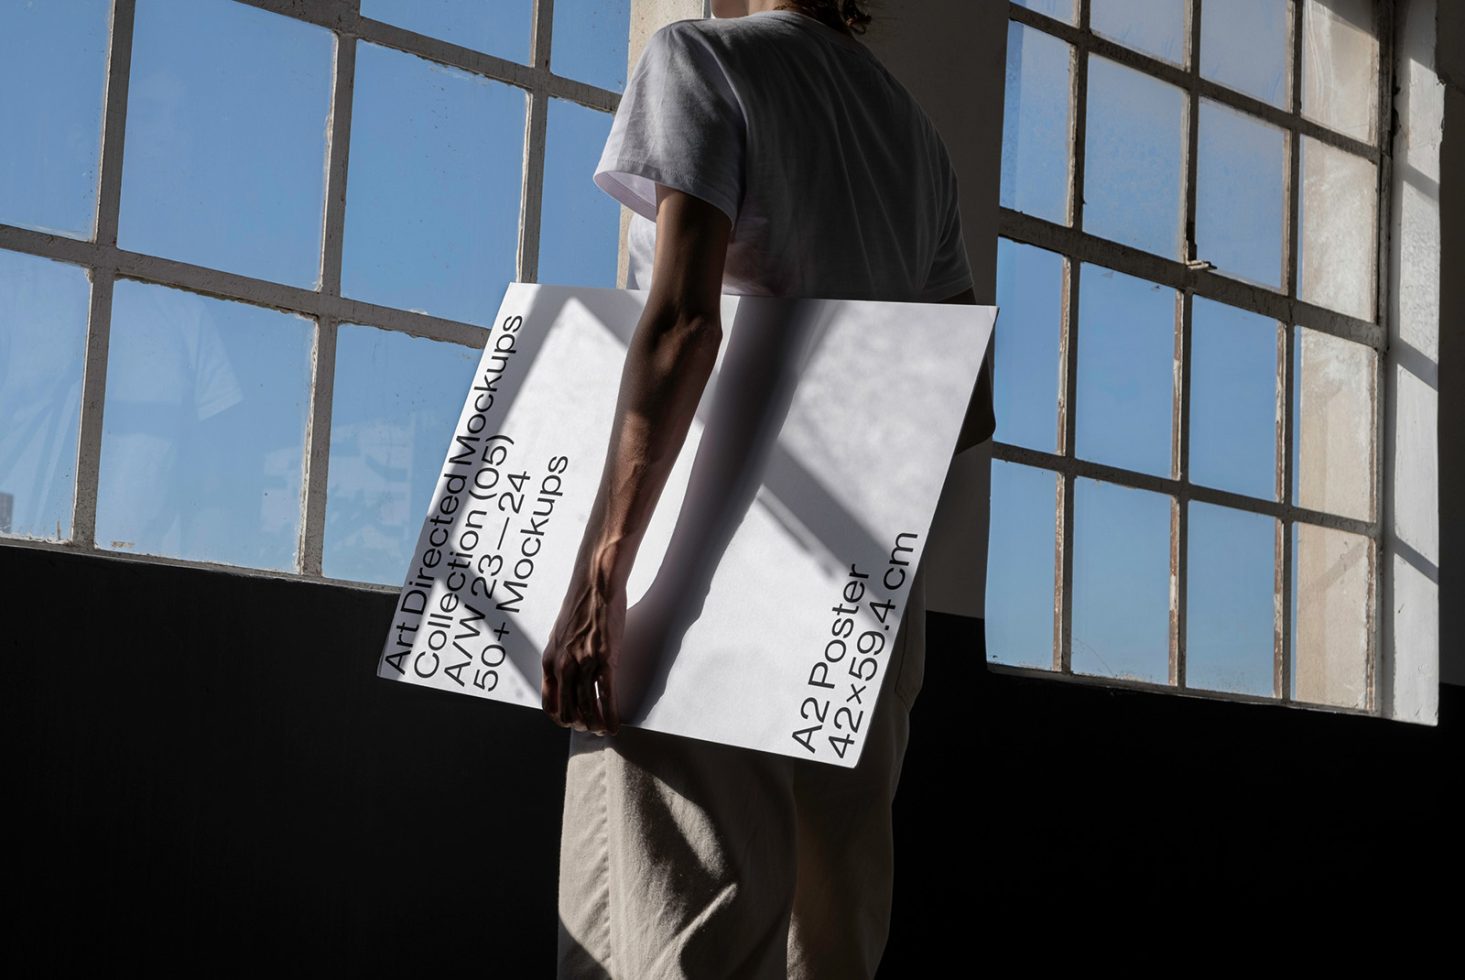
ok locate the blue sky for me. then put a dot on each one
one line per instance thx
(224, 166)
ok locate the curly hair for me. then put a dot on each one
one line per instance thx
(847, 15)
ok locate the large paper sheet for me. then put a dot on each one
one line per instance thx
(775, 571)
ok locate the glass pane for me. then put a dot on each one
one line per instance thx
(1126, 370)
(1229, 616)
(579, 225)
(1238, 204)
(1062, 9)
(1243, 45)
(1121, 582)
(1340, 66)
(1030, 301)
(1156, 27)
(397, 400)
(432, 201)
(1132, 143)
(204, 433)
(591, 41)
(1331, 572)
(1021, 556)
(500, 28)
(226, 139)
(53, 72)
(1336, 253)
(1035, 124)
(43, 317)
(1233, 399)
(1333, 419)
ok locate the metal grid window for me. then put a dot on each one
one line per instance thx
(288, 312)
(1175, 524)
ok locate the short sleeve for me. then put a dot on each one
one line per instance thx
(679, 123)
(951, 270)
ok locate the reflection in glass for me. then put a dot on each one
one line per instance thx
(1155, 27)
(1021, 556)
(1340, 66)
(1233, 399)
(1229, 615)
(1336, 253)
(1333, 424)
(1035, 124)
(580, 225)
(432, 200)
(501, 28)
(1132, 146)
(1243, 45)
(204, 430)
(226, 139)
(1238, 204)
(1030, 298)
(591, 41)
(1126, 370)
(43, 317)
(1062, 9)
(1121, 582)
(51, 133)
(1331, 575)
(397, 400)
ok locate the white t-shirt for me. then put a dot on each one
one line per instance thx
(836, 181)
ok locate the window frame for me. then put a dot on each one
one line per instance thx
(105, 263)
(1191, 277)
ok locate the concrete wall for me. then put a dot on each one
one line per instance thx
(1450, 66)
(951, 55)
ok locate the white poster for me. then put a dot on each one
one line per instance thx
(775, 570)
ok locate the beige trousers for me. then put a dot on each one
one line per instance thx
(691, 859)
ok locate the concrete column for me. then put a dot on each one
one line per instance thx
(951, 55)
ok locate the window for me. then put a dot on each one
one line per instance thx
(1186, 485)
(249, 250)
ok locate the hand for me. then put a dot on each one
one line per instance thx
(583, 653)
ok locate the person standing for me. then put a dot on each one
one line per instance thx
(764, 151)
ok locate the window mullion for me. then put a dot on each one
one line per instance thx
(1282, 668)
(1379, 676)
(317, 456)
(99, 319)
(318, 447)
(1068, 361)
(338, 151)
(535, 126)
(1180, 417)
(1053, 237)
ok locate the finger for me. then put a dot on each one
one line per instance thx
(565, 682)
(549, 682)
(589, 703)
(546, 689)
(609, 714)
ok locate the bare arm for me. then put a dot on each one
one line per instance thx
(667, 366)
(980, 421)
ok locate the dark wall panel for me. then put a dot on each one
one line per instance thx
(206, 771)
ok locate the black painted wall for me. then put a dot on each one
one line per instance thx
(206, 772)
